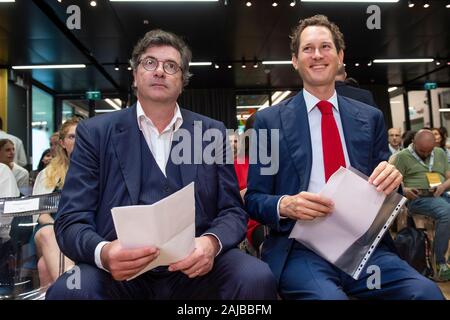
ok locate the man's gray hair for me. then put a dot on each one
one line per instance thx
(160, 37)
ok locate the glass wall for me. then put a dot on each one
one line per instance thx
(42, 121)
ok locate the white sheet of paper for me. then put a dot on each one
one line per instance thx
(18, 206)
(168, 224)
(356, 205)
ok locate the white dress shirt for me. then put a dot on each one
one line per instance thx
(317, 178)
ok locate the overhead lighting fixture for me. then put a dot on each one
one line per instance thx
(426, 4)
(403, 60)
(444, 110)
(50, 66)
(281, 97)
(7, 1)
(278, 62)
(104, 110)
(197, 64)
(230, 66)
(129, 68)
(93, 3)
(411, 4)
(164, 0)
(448, 5)
(438, 63)
(392, 89)
(116, 66)
(274, 4)
(248, 3)
(357, 64)
(216, 66)
(243, 66)
(293, 3)
(369, 64)
(255, 63)
(113, 104)
(355, 1)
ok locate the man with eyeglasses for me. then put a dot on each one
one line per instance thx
(122, 159)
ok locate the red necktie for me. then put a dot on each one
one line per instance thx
(333, 155)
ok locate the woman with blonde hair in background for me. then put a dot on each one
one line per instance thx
(49, 180)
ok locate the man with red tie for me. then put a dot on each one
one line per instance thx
(320, 131)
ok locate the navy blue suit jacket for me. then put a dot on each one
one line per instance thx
(359, 94)
(105, 172)
(366, 141)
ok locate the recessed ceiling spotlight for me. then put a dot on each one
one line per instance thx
(292, 4)
(230, 66)
(216, 66)
(274, 4)
(426, 4)
(93, 3)
(248, 3)
(411, 4)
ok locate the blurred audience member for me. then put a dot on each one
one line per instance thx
(395, 140)
(349, 87)
(54, 141)
(7, 153)
(407, 138)
(49, 180)
(46, 157)
(19, 157)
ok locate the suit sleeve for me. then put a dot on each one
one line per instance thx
(230, 224)
(260, 200)
(75, 221)
(380, 144)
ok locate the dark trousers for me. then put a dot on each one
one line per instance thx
(235, 275)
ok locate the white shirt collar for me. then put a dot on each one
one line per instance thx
(311, 101)
(175, 123)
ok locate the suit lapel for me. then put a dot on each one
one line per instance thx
(126, 141)
(188, 170)
(295, 125)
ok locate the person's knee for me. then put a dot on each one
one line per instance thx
(425, 289)
(81, 282)
(44, 236)
(256, 274)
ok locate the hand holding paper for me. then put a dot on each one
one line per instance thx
(168, 225)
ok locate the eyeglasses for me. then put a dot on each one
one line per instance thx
(151, 64)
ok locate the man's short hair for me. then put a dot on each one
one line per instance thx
(159, 37)
(317, 20)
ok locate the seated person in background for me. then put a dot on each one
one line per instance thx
(423, 166)
(440, 141)
(255, 231)
(49, 180)
(7, 153)
(395, 140)
(43, 162)
(54, 141)
(8, 188)
(347, 90)
(19, 156)
(126, 158)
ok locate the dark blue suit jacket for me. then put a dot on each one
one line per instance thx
(105, 172)
(366, 141)
(359, 94)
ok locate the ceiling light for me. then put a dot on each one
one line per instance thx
(196, 64)
(355, 1)
(357, 64)
(448, 5)
(243, 66)
(216, 66)
(292, 4)
(129, 68)
(248, 3)
(438, 63)
(230, 66)
(93, 3)
(411, 4)
(7, 0)
(164, 0)
(403, 60)
(369, 63)
(113, 104)
(392, 89)
(426, 4)
(255, 63)
(116, 66)
(274, 4)
(49, 66)
(278, 62)
(444, 110)
(104, 110)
